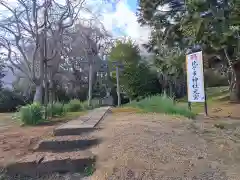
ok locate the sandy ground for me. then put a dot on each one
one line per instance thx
(17, 141)
(153, 147)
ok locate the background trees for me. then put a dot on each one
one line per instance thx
(210, 25)
(49, 46)
(136, 77)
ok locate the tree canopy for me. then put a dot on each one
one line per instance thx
(212, 25)
(136, 78)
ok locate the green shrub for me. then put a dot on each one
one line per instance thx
(95, 103)
(161, 104)
(10, 101)
(57, 109)
(215, 79)
(85, 105)
(73, 106)
(31, 114)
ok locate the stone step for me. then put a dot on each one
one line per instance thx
(82, 125)
(39, 164)
(71, 131)
(67, 143)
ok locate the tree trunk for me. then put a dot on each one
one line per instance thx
(38, 94)
(235, 86)
(38, 97)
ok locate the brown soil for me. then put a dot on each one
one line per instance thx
(149, 147)
(154, 147)
(225, 110)
(16, 141)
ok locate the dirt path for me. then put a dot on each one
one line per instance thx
(154, 147)
(17, 141)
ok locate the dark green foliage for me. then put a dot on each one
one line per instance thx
(2, 75)
(126, 53)
(136, 78)
(31, 114)
(73, 106)
(215, 79)
(89, 170)
(85, 106)
(99, 91)
(220, 126)
(124, 98)
(113, 93)
(56, 109)
(82, 94)
(61, 95)
(10, 101)
(212, 25)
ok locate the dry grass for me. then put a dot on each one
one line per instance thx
(218, 104)
(154, 146)
(125, 110)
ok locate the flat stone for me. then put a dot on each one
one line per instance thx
(83, 124)
(67, 143)
(43, 163)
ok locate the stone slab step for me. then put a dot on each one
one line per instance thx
(39, 164)
(67, 143)
(84, 124)
(71, 131)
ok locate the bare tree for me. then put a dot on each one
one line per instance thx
(32, 36)
(89, 42)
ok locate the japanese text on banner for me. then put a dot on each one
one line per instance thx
(195, 77)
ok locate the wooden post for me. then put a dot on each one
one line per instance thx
(90, 85)
(118, 86)
(205, 92)
(189, 106)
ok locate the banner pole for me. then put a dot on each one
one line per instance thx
(190, 106)
(205, 92)
(205, 103)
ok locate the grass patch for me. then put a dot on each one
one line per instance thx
(161, 104)
(71, 115)
(56, 109)
(126, 110)
(215, 97)
(73, 106)
(67, 117)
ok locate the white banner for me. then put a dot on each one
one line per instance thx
(195, 78)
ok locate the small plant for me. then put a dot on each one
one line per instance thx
(89, 170)
(57, 109)
(31, 114)
(73, 106)
(85, 105)
(220, 126)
